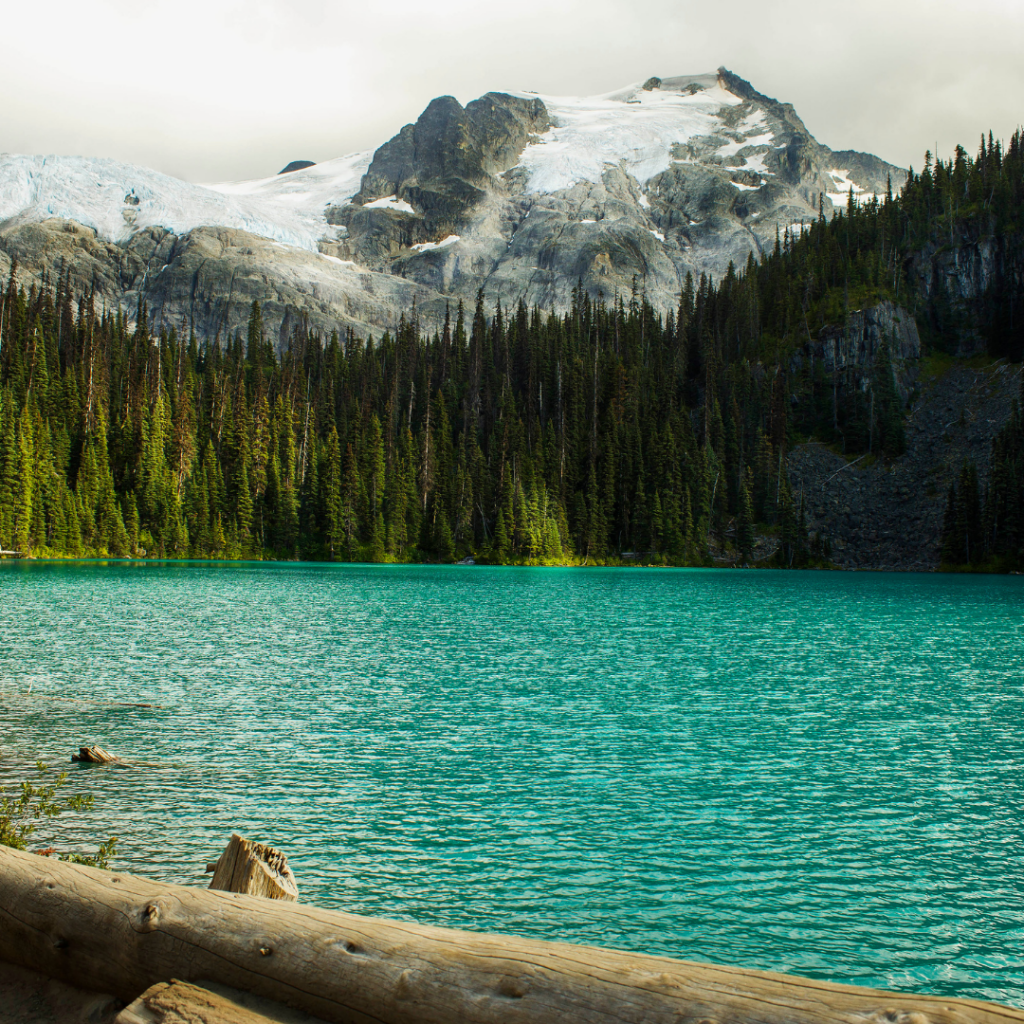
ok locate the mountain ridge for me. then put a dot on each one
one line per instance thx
(522, 194)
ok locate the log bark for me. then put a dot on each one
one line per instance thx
(122, 934)
(95, 755)
(254, 869)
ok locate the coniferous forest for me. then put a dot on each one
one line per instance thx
(612, 431)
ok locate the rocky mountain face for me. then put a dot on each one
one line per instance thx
(852, 349)
(888, 514)
(521, 195)
(964, 286)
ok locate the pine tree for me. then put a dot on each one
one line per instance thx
(745, 520)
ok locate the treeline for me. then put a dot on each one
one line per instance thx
(878, 249)
(610, 431)
(961, 206)
(513, 437)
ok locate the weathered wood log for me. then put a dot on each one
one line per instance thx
(254, 869)
(122, 934)
(181, 1001)
(95, 755)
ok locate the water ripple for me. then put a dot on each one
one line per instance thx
(817, 773)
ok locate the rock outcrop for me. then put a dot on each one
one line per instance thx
(854, 348)
(967, 286)
(888, 515)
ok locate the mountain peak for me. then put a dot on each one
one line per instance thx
(297, 165)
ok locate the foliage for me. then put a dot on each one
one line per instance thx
(515, 438)
(22, 811)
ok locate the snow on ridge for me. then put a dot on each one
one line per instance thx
(842, 184)
(752, 122)
(118, 199)
(632, 128)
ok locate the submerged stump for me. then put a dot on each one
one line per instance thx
(95, 755)
(255, 869)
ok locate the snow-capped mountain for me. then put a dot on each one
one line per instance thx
(519, 193)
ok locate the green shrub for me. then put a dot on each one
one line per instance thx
(22, 811)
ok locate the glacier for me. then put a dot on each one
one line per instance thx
(633, 128)
(117, 199)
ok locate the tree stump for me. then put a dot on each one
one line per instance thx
(255, 869)
(95, 755)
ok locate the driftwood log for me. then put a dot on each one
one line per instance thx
(95, 755)
(122, 934)
(254, 869)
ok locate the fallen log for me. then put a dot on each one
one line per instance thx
(255, 869)
(121, 934)
(95, 755)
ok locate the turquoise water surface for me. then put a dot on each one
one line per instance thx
(810, 772)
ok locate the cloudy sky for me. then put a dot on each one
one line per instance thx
(224, 89)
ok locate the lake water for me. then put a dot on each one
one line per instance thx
(820, 773)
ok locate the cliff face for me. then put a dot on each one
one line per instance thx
(888, 515)
(971, 293)
(853, 348)
(858, 343)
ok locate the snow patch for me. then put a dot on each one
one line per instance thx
(657, 234)
(427, 246)
(756, 163)
(733, 148)
(389, 203)
(746, 188)
(841, 181)
(588, 220)
(644, 201)
(842, 185)
(752, 122)
(351, 264)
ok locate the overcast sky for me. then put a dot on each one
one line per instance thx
(223, 89)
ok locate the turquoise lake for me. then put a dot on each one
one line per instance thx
(820, 773)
